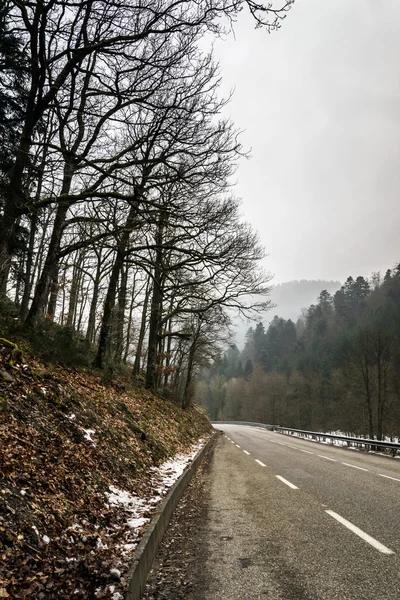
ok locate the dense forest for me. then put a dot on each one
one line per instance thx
(336, 368)
(117, 221)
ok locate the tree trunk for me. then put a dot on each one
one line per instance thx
(168, 353)
(51, 309)
(112, 286)
(137, 363)
(29, 276)
(84, 295)
(73, 295)
(155, 313)
(90, 333)
(186, 394)
(51, 262)
(28, 269)
(19, 279)
(120, 315)
(109, 304)
(92, 312)
(13, 204)
(130, 324)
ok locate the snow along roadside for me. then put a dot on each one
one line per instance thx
(137, 512)
(147, 549)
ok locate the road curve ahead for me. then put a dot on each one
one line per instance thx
(294, 520)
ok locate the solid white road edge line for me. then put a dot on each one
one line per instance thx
(367, 538)
(259, 462)
(291, 485)
(245, 451)
(354, 466)
(326, 457)
(388, 477)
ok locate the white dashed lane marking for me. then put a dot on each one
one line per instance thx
(309, 452)
(388, 477)
(367, 538)
(286, 482)
(354, 466)
(326, 457)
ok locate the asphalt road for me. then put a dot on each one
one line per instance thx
(289, 519)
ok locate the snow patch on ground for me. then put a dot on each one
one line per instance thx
(88, 435)
(137, 511)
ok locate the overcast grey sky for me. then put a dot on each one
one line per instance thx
(319, 103)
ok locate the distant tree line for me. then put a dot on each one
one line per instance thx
(337, 368)
(116, 217)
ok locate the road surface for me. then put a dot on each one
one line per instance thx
(288, 519)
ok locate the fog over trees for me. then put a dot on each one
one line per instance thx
(337, 367)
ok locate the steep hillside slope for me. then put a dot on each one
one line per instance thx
(64, 440)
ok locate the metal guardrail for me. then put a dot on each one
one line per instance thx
(318, 436)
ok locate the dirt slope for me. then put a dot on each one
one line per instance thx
(64, 439)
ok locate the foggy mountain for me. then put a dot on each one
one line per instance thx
(289, 297)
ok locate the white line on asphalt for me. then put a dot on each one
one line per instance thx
(388, 477)
(260, 463)
(326, 457)
(294, 487)
(245, 451)
(232, 442)
(306, 451)
(281, 444)
(237, 446)
(367, 538)
(295, 447)
(354, 466)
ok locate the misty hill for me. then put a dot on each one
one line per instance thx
(290, 297)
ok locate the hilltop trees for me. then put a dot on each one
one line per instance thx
(338, 368)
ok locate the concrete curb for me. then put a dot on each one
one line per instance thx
(148, 546)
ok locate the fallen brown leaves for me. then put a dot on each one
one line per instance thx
(64, 439)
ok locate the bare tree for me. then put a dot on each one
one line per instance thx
(66, 41)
